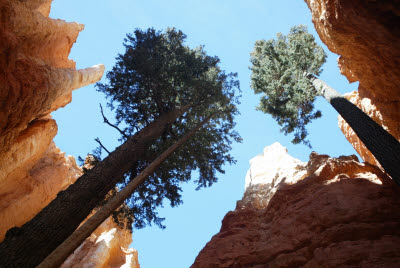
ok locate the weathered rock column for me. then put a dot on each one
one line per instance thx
(37, 78)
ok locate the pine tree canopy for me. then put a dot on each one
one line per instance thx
(159, 73)
(279, 72)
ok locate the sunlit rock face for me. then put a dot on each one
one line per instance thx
(31, 189)
(366, 35)
(329, 212)
(36, 78)
(263, 180)
(106, 247)
(36, 75)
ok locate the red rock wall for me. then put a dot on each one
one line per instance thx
(29, 190)
(366, 35)
(329, 212)
(36, 78)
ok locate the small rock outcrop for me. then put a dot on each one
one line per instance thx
(37, 78)
(329, 212)
(106, 247)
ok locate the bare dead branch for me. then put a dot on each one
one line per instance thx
(108, 123)
(102, 146)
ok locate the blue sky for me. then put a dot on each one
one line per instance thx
(228, 29)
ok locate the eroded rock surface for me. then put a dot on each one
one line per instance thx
(36, 78)
(33, 188)
(106, 247)
(36, 75)
(329, 212)
(366, 35)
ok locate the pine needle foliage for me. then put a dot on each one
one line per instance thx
(279, 69)
(159, 73)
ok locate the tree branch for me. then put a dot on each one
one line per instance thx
(108, 123)
(102, 146)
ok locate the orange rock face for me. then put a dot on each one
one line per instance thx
(329, 212)
(366, 35)
(106, 247)
(36, 78)
(26, 192)
(36, 75)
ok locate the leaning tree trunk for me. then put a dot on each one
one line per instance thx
(30, 244)
(61, 253)
(378, 141)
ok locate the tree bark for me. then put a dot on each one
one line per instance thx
(30, 244)
(61, 253)
(384, 147)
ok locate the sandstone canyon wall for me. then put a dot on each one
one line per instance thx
(36, 78)
(329, 212)
(366, 35)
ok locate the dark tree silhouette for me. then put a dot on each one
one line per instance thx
(160, 89)
(62, 252)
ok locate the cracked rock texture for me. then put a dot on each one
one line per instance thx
(329, 212)
(37, 78)
(366, 34)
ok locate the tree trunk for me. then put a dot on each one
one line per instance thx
(61, 253)
(378, 141)
(30, 244)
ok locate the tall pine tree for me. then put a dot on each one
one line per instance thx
(146, 83)
(285, 70)
(159, 88)
(62, 252)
